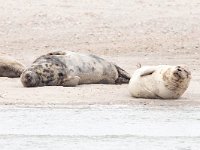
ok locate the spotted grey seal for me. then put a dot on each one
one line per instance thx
(70, 69)
(9, 67)
(163, 82)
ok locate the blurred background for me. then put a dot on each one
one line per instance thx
(104, 27)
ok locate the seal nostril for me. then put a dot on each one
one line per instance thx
(179, 69)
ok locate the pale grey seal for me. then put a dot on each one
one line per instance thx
(70, 69)
(163, 81)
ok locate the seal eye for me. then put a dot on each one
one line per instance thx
(4, 68)
(28, 77)
(60, 74)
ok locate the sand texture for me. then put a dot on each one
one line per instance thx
(127, 32)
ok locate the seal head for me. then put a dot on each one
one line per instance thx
(30, 78)
(182, 72)
(177, 78)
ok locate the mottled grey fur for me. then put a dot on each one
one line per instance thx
(71, 69)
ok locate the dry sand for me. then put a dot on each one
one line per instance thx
(126, 32)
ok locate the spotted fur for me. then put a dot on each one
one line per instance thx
(71, 69)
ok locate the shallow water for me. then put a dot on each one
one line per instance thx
(100, 128)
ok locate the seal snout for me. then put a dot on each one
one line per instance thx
(29, 79)
(182, 72)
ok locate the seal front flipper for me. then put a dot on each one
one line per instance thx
(71, 81)
(147, 71)
(56, 53)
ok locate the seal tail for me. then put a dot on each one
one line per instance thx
(123, 76)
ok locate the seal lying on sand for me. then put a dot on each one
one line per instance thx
(9, 67)
(163, 81)
(70, 69)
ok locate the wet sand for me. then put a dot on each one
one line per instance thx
(100, 127)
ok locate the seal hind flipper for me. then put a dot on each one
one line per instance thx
(11, 68)
(71, 81)
(11, 71)
(123, 76)
(56, 53)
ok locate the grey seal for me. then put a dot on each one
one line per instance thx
(70, 69)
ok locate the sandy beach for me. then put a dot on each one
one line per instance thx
(99, 116)
(127, 33)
